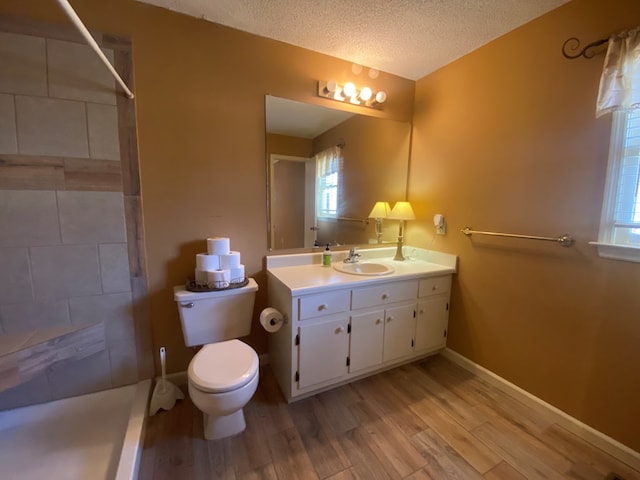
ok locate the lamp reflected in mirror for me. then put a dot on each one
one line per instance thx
(401, 211)
(379, 211)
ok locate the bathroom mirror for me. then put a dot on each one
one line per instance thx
(375, 154)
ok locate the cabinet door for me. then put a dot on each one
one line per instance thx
(367, 333)
(399, 328)
(322, 353)
(431, 323)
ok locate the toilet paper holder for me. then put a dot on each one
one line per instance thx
(276, 321)
(272, 320)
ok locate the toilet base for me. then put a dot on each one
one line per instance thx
(224, 426)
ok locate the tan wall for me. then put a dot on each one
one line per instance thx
(286, 145)
(506, 139)
(200, 114)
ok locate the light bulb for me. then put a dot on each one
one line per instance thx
(331, 86)
(349, 89)
(365, 93)
(381, 96)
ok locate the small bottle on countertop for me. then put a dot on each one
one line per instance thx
(326, 257)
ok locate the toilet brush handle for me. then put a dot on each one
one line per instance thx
(162, 364)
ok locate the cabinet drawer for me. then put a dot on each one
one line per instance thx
(434, 286)
(328, 303)
(383, 294)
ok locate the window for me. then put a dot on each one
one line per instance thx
(619, 236)
(619, 94)
(328, 182)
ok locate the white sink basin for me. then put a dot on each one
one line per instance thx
(365, 268)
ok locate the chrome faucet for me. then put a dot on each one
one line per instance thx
(353, 256)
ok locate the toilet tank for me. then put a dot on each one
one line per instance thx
(209, 317)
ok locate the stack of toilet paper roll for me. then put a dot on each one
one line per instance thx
(220, 266)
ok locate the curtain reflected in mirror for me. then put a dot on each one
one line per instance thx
(374, 157)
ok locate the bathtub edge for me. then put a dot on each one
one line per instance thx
(129, 463)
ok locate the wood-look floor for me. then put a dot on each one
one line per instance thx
(427, 420)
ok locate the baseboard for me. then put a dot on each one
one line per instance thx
(582, 430)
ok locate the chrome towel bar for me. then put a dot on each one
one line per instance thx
(349, 219)
(564, 240)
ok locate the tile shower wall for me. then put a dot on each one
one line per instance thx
(64, 256)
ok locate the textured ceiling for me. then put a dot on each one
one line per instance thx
(409, 38)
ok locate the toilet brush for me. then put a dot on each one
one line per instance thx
(165, 393)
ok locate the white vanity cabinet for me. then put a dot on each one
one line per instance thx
(338, 335)
(340, 327)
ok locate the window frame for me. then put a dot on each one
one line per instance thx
(606, 245)
(328, 161)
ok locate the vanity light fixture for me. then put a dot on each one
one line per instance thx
(379, 211)
(401, 211)
(350, 93)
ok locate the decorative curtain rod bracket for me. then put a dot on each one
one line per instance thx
(586, 52)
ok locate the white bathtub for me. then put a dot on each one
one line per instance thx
(95, 436)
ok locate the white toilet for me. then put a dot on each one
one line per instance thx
(223, 375)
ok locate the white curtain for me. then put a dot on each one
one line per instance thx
(328, 181)
(620, 80)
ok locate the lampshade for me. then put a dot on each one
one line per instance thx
(402, 211)
(380, 210)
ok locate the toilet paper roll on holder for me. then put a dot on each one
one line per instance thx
(272, 320)
(275, 321)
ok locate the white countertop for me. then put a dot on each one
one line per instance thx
(304, 273)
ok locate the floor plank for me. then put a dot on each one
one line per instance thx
(427, 420)
(319, 441)
(476, 453)
(504, 471)
(443, 461)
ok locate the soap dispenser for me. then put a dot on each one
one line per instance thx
(326, 257)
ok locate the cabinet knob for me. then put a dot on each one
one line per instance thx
(384, 296)
(421, 312)
(339, 330)
(389, 319)
(435, 287)
(378, 321)
(324, 306)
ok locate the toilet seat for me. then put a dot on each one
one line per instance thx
(223, 366)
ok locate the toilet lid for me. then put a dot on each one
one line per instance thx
(223, 366)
